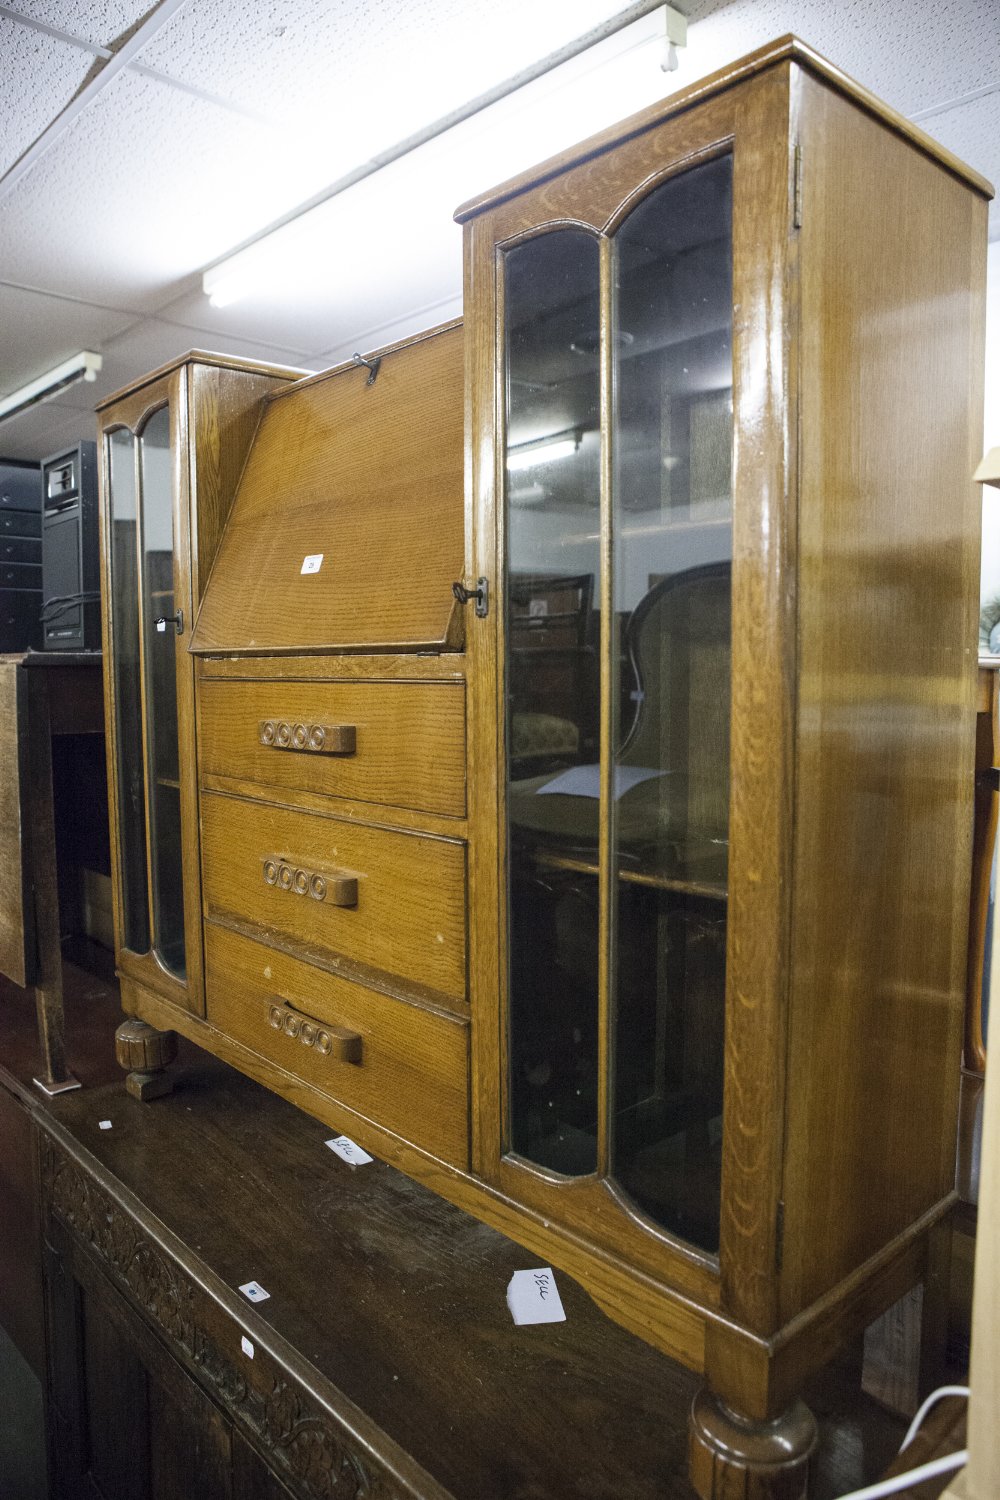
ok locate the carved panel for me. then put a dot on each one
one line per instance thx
(300, 1439)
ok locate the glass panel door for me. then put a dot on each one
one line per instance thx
(553, 457)
(672, 539)
(160, 692)
(125, 666)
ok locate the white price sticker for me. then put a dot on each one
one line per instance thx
(246, 1346)
(254, 1292)
(312, 563)
(533, 1297)
(349, 1151)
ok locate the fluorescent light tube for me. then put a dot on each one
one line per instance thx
(541, 453)
(83, 366)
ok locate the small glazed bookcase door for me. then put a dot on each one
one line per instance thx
(621, 529)
(148, 617)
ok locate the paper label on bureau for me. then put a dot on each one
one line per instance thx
(254, 1291)
(533, 1297)
(312, 563)
(349, 1151)
(246, 1346)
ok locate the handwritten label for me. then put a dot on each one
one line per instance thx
(161, 626)
(349, 1151)
(254, 1291)
(246, 1346)
(104, 1124)
(312, 563)
(533, 1297)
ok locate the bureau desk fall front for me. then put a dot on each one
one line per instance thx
(584, 846)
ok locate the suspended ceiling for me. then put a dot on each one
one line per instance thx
(138, 146)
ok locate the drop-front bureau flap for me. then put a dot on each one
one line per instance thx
(347, 530)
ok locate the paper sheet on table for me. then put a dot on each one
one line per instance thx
(585, 781)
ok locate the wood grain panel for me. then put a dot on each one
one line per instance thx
(409, 921)
(891, 423)
(16, 921)
(224, 409)
(369, 477)
(410, 739)
(412, 1077)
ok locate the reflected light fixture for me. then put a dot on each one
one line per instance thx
(83, 366)
(542, 450)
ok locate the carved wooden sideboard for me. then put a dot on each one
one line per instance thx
(674, 995)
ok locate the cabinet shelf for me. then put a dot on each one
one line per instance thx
(713, 890)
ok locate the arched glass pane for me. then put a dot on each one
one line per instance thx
(553, 452)
(672, 529)
(160, 661)
(124, 610)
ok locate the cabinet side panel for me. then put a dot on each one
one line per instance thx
(891, 354)
(225, 410)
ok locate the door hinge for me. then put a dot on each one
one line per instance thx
(779, 1235)
(481, 594)
(797, 188)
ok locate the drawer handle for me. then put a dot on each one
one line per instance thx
(321, 739)
(330, 1041)
(335, 887)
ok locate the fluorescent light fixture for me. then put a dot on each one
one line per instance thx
(352, 233)
(83, 366)
(542, 451)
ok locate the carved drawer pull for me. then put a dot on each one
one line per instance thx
(330, 1041)
(336, 887)
(322, 739)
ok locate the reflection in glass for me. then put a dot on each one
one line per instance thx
(128, 704)
(552, 693)
(159, 652)
(672, 524)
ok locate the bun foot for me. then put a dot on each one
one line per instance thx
(145, 1053)
(737, 1458)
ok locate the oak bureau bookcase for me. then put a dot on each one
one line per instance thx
(585, 703)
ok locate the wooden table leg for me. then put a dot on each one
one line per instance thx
(55, 1077)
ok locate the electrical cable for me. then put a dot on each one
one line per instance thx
(928, 1470)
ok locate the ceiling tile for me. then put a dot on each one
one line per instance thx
(40, 331)
(101, 22)
(40, 77)
(911, 53)
(42, 430)
(365, 75)
(144, 186)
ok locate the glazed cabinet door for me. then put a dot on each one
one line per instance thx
(149, 685)
(619, 532)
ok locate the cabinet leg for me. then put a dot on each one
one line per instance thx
(145, 1053)
(737, 1458)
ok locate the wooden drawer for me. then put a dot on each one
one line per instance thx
(399, 1065)
(355, 898)
(399, 743)
(20, 523)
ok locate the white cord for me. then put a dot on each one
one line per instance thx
(925, 1471)
(932, 1400)
(915, 1476)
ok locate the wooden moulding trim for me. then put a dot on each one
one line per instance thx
(443, 644)
(320, 376)
(202, 357)
(656, 1313)
(394, 817)
(433, 666)
(190, 1295)
(760, 1377)
(784, 49)
(405, 991)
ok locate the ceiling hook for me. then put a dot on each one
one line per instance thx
(371, 365)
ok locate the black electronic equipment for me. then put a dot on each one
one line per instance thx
(20, 555)
(71, 612)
